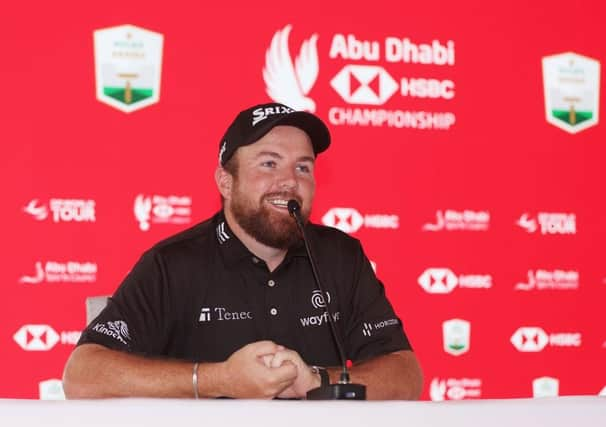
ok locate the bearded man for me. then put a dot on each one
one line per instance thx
(229, 308)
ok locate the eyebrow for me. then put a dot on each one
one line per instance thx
(278, 156)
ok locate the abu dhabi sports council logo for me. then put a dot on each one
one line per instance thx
(545, 387)
(549, 280)
(360, 84)
(43, 337)
(349, 220)
(158, 209)
(61, 272)
(62, 210)
(441, 389)
(549, 223)
(287, 82)
(452, 220)
(532, 339)
(572, 91)
(444, 280)
(128, 67)
(456, 336)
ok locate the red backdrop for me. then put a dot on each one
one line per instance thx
(459, 154)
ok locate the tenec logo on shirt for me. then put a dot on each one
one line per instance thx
(61, 272)
(452, 220)
(367, 83)
(158, 209)
(572, 91)
(456, 336)
(62, 210)
(43, 337)
(455, 389)
(128, 67)
(535, 339)
(549, 223)
(545, 387)
(221, 314)
(349, 220)
(443, 281)
(549, 280)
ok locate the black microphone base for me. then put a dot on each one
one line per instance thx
(338, 392)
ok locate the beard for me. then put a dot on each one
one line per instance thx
(266, 226)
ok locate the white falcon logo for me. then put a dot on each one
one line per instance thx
(286, 83)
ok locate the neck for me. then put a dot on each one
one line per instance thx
(272, 256)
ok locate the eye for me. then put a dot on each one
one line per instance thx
(269, 164)
(304, 168)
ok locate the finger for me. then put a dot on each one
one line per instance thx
(267, 360)
(286, 355)
(262, 348)
(286, 372)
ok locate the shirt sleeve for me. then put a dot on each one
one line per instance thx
(372, 328)
(134, 319)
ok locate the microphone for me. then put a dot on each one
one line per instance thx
(344, 389)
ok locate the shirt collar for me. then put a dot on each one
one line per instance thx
(233, 250)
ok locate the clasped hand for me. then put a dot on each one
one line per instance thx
(264, 370)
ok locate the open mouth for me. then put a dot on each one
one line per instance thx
(279, 203)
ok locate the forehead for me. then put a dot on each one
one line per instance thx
(284, 140)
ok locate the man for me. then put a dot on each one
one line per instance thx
(229, 308)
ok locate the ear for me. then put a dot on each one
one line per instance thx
(224, 182)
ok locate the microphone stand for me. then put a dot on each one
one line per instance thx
(344, 389)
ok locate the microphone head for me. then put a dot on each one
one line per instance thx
(293, 206)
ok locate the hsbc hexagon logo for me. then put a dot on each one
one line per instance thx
(364, 84)
(530, 339)
(348, 220)
(36, 337)
(438, 280)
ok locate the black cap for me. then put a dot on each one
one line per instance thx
(252, 124)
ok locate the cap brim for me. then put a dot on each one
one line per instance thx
(307, 122)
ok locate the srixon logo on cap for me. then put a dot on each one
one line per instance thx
(264, 112)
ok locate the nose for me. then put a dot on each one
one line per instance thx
(288, 179)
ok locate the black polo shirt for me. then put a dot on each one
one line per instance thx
(201, 295)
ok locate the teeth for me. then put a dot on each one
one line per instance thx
(279, 202)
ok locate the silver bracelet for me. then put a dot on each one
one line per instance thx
(194, 380)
